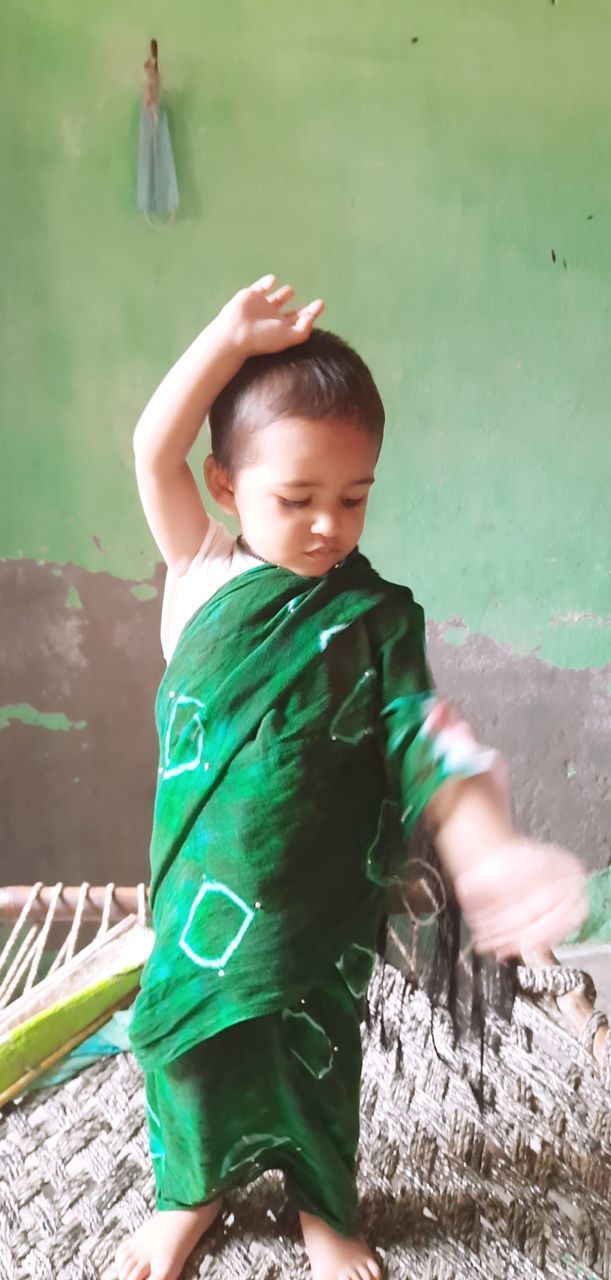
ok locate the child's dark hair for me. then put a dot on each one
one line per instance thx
(321, 378)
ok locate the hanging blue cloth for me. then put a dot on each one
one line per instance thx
(157, 184)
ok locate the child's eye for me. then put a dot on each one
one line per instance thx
(353, 502)
(293, 504)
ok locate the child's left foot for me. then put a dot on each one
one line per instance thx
(161, 1246)
(334, 1257)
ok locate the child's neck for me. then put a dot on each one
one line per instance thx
(243, 545)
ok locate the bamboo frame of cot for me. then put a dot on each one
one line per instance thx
(37, 907)
(26, 995)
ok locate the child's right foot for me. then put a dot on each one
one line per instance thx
(334, 1257)
(161, 1246)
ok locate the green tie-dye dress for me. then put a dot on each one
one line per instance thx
(299, 741)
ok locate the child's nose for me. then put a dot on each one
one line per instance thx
(325, 524)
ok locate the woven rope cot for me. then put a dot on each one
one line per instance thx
(520, 1190)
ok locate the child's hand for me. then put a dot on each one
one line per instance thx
(524, 896)
(257, 326)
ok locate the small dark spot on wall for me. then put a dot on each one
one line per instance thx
(415, 39)
(98, 543)
(589, 217)
(553, 255)
(564, 263)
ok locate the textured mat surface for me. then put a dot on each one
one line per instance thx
(523, 1192)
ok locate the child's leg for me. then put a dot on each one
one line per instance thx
(280, 1091)
(163, 1243)
(322, 1097)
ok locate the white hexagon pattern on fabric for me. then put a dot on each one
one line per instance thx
(181, 717)
(195, 924)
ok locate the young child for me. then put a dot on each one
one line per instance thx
(299, 741)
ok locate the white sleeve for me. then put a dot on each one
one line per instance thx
(184, 594)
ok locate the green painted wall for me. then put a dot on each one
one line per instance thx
(420, 186)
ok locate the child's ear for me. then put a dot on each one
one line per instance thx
(219, 485)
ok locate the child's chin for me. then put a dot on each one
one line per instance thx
(313, 573)
(310, 566)
(314, 568)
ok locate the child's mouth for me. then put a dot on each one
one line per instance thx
(324, 553)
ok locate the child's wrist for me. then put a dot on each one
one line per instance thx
(231, 331)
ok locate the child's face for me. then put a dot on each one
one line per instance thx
(302, 502)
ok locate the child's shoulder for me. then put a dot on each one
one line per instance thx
(397, 619)
(395, 597)
(218, 560)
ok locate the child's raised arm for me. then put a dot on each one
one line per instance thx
(250, 324)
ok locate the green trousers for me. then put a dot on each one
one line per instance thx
(276, 1092)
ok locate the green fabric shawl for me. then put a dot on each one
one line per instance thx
(293, 764)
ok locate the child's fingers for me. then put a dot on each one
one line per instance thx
(521, 907)
(264, 284)
(501, 951)
(306, 315)
(542, 929)
(493, 894)
(547, 930)
(282, 295)
(510, 913)
(299, 323)
(555, 926)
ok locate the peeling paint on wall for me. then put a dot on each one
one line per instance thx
(26, 714)
(574, 618)
(455, 632)
(73, 600)
(144, 591)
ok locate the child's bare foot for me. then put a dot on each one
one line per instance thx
(161, 1246)
(334, 1257)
